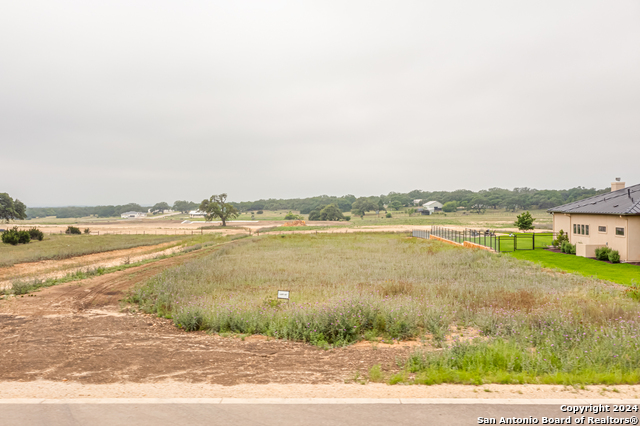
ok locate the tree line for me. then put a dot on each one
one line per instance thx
(493, 198)
(108, 211)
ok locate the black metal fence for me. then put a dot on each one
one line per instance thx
(488, 238)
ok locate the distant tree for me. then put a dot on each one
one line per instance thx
(395, 205)
(363, 205)
(292, 216)
(184, 206)
(11, 209)
(411, 211)
(380, 205)
(450, 207)
(357, 212)
(217, 207)
(524, 221)
(331, 212)
(479, 204)
(160, 207)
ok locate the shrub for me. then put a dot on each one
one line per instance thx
(190, 320)
(347, 218)
(87, 231)
(260, 212)
(388, 215)
(568, 248)
(73, 230)
(10, 237)
(13, 236)
(562, 237)
(36, 234)
(24, 237)
(291, 216)
(614, 256)
(602, 253)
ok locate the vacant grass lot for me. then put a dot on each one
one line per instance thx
(619, 273)
(65, 246)
(537, 327)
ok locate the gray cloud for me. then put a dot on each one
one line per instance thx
(144, 101)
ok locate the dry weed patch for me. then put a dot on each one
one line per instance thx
(493, 317)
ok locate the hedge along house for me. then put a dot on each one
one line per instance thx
(611, 219)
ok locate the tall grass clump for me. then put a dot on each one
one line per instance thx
(533, 325)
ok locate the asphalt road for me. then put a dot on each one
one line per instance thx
(247, 412)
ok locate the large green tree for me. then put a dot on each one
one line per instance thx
(217, 207)
(11, 209)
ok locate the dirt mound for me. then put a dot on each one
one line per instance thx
(296, 223)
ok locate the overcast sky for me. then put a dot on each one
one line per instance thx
(145, 101)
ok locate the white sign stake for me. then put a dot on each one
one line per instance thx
(283, 294)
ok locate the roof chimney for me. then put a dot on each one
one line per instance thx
(617, 185)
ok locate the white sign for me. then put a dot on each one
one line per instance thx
(282, 294)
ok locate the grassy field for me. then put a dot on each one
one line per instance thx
(266, 215)
(494, 219)
(305, 228)
(56, 247)
(535, 327)
(619, 273)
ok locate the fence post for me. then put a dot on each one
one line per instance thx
(534, 241)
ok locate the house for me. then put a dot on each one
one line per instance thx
(416, 202)
(432, 206)
(422, 211)
(133, 215)
(196, 213)
(611, 219)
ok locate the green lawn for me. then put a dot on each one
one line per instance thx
(618, 273)
(504, 243)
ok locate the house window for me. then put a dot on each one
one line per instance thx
(620, 231)
(574, 228)
(602, 229)
(586, 228)
(582, 229)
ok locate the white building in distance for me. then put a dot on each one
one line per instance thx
(196, 213)
(432, 206)
(133, 215)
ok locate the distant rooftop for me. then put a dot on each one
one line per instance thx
(624, 201)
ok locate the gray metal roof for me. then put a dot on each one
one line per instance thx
(621, 202)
